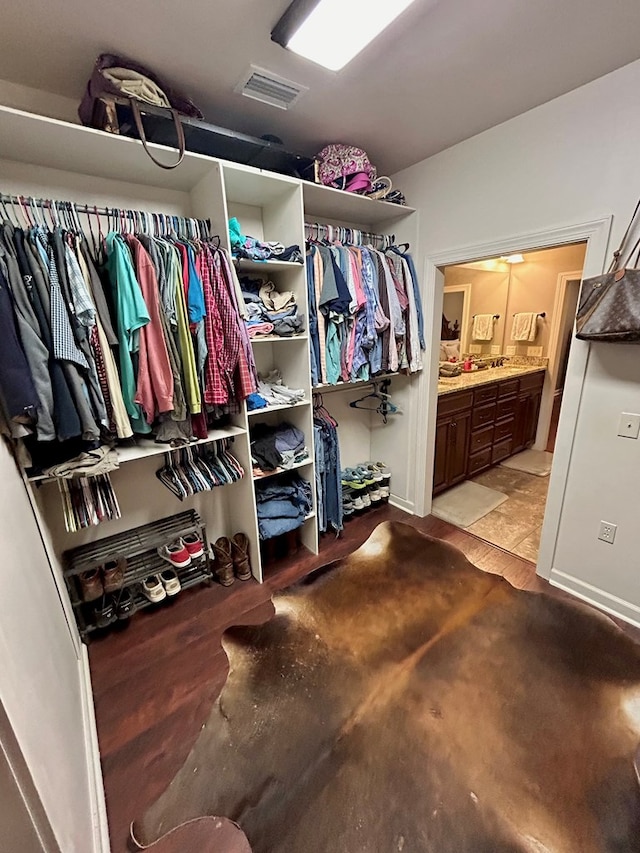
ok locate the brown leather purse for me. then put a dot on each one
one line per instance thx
(609, 308)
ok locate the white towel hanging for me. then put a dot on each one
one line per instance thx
(525, 327)
(482, 327)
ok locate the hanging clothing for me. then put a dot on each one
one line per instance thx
(365, 313)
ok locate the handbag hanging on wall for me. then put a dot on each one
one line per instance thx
(609, 308)
(117, 81)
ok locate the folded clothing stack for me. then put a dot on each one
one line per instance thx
(276, 448)
(282, 505)
(273, 392)
(257, 250)
(268, 310)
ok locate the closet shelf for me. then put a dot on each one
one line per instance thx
(247, 265)
(347, 386)
(256, 412)
(322, 202)
(304, 464)
(309, 516)
(270, 339)
(145, 448)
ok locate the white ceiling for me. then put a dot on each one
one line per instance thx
(444, 71)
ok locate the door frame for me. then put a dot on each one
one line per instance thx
(465, 289)
(596, 234)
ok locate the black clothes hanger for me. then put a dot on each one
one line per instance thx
(379, 400)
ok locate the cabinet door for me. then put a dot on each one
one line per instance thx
(459, 434)
(522, 418)
(440, 462)
(533, 413)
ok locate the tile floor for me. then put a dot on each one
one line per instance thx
(516, 524)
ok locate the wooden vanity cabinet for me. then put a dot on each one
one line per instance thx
(480, 427)
(453, 431)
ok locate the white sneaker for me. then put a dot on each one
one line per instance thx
(153, 589)
(170, 581)
(366, 500)
(357, 503)
(375, 495)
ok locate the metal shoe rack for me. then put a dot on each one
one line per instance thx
(139, 547)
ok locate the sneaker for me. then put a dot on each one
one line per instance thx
(104, 613)
(170, 581)
(366, 500)
(365, 475)
(386, 472)
(358, 503)
(125, 604)
(375, 493)
(175, 553)
(385, 493)
(350, 478)
(373, 471)
(153, 589)
(193, 544)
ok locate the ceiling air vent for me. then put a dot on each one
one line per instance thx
(263, 85)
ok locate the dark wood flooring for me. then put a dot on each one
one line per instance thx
(155, 681)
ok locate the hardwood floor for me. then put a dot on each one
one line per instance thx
(155, 681)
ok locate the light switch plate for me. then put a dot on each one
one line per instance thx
(536, 351)
(511, 350)
(495, 350)
(629, 425)
(475, 349)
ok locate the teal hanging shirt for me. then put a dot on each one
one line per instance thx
(132, 315)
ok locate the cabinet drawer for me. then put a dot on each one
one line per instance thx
(450, 403)
(483, 416)
(504, 430)
(479, 461)
(481, 438)
(485, 394)
(532, 381)
(506, 408)
(501, 450)
(506, 389)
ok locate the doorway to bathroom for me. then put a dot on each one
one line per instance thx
(507, 327)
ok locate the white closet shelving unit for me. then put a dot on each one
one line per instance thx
(43, 157)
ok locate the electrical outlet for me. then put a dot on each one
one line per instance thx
(535, 351)
(607, 532)
(495, 350)
(475, 349)
(511, 350)
(629, 425)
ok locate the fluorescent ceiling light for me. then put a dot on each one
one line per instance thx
(513, 259)
(335, 31)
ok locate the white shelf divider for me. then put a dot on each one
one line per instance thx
(267, 409)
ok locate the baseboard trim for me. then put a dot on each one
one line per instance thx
(101, 843)
(598, 598)
(401, 503)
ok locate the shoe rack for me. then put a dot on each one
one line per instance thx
(138, 547)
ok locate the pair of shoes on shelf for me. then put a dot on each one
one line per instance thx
(232, 559)
(182, 551)
(162, 585)
(114, 608)
(381, 475)
(94, 583)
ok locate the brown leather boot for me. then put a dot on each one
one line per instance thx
(91, 585)
(240, 552)
(113, 574)
(224, 561)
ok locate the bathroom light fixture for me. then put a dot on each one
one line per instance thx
(332, 32)
(513, 259)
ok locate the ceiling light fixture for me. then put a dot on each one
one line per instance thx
(332, 32)
(513, 259)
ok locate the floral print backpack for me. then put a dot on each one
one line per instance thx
(346, 168)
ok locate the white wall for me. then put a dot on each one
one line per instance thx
(567, 162)
(43, 686)
(36, 101)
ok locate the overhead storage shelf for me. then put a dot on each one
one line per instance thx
(322, 203)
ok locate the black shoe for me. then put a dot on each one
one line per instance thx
(105, 613)
(125, 604)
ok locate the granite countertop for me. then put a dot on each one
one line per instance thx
(483, 377)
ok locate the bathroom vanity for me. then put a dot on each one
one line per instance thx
(483, 418)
